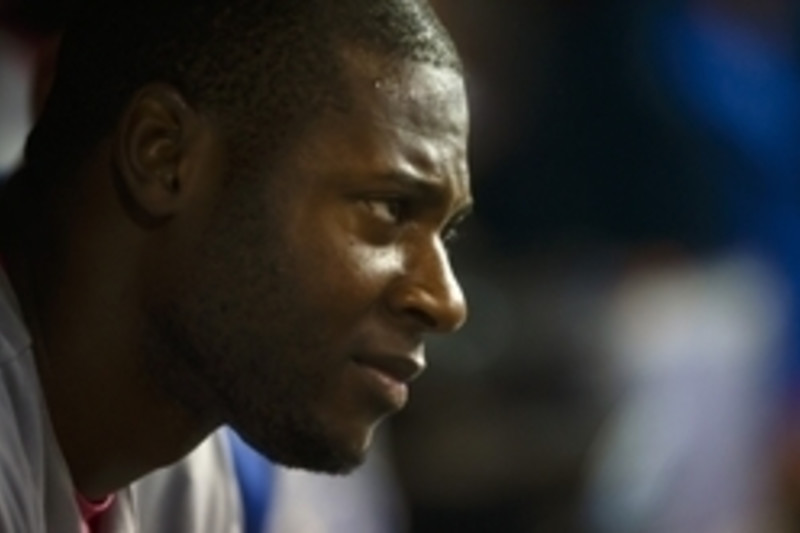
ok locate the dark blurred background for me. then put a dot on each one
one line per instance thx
(632, 268)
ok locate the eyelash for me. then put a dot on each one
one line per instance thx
(450, 236)
(396, 211)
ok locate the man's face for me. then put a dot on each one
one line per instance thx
(300, 317)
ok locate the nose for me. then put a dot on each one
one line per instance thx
(429, 293)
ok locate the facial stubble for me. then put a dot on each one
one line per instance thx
(223, 342)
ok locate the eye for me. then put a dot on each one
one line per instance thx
(452, 231)
(451, 235)
(389, 210)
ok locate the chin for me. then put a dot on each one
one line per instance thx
(312, 447)
(321, 457)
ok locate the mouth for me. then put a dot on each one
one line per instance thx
(387, 375)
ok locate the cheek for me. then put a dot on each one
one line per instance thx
(341, 270)
(366, 267)
(352, 275)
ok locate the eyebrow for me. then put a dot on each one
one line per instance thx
(429, 189)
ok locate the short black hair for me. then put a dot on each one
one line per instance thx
(268, 65)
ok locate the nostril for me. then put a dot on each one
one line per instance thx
(436, 314)
(424, 318)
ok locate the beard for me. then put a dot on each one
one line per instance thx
(233, 337)
(218, 375)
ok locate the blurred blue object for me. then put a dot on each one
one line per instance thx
(255, 477)
(745, 87)
(740, 81)
(742, 85)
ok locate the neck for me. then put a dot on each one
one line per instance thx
(112, 424)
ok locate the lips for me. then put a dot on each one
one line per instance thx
(387, 375)
(400, 368)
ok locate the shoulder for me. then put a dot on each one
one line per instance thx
(198, 494)
(20, 462)
(14, 337)
(22, 414)
(34, 483)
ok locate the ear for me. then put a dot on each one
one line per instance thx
(154, 143)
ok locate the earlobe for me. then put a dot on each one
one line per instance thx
(152, 141)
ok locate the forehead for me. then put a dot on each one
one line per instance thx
(405, 93)
(399, 116)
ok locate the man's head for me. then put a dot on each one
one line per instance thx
(265, 66)
(268, 186)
